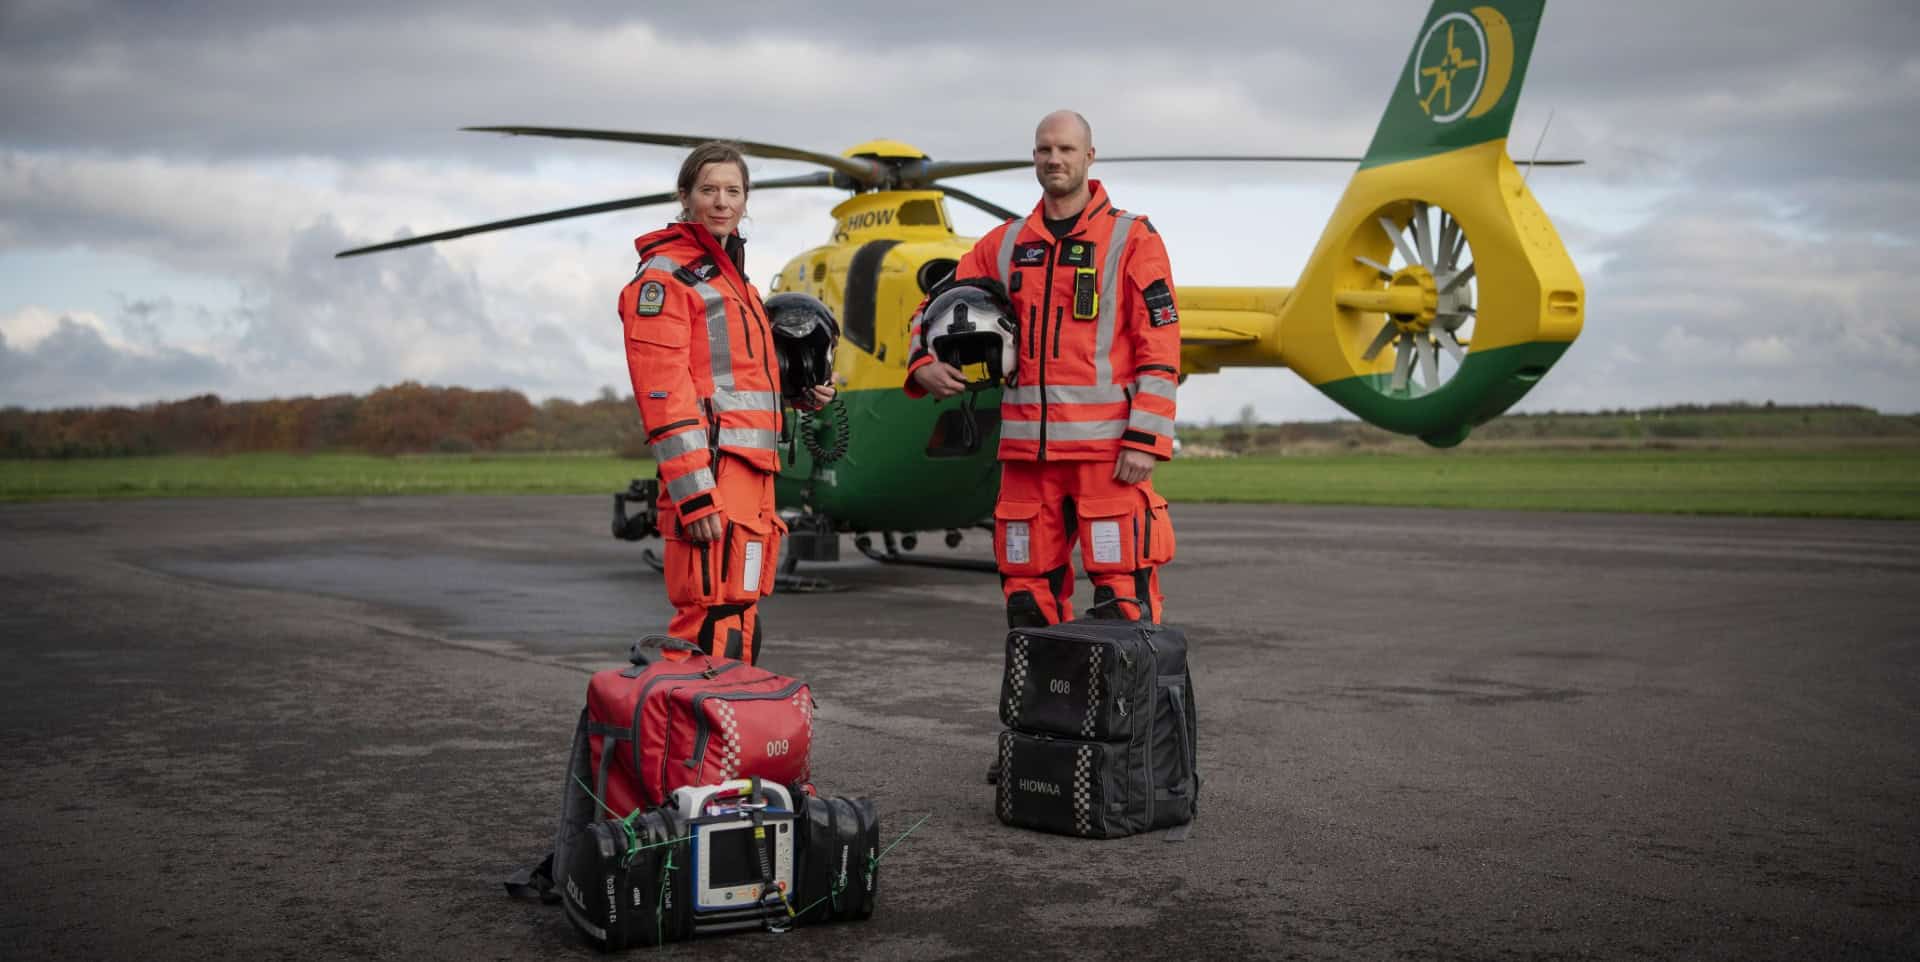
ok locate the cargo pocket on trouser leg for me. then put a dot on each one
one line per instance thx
(692, 572)
(1014, 525)
(751, 558)
(1110, 537)
(1156, 549)
(1110, 534)
(1156, 543)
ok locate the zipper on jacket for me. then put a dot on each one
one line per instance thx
(1031, 311)
(700, 740)
(766, 327)
(1059, 317)
(640, 705)
(706, 569)
(1046, 304)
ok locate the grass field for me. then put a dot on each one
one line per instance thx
(1842, 482)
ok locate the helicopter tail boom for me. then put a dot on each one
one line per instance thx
(1439, 292)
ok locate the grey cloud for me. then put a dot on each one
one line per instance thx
(76, 366)
(1720, 298)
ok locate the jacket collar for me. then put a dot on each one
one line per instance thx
(1035, 226)
(693, 240)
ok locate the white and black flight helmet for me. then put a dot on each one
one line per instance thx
(970, 322)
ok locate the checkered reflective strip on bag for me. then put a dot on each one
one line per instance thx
(803, 700)
(1083, 790)
(1016, 678)
(1093, 692)
(1006, 776)
(729, 739)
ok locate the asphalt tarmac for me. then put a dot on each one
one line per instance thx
(326, 728)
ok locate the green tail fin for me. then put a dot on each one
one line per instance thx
(1461, 81)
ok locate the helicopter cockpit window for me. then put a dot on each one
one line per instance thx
(920, 213)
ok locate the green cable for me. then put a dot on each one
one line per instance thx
(903, 837)
(871, 865)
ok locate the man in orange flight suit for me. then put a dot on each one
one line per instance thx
(700, 350)
(1091, 411)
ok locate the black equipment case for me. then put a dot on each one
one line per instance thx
(1101, 732)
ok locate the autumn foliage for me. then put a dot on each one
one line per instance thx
(402, 419)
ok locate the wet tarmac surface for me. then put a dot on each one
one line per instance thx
(325, 729)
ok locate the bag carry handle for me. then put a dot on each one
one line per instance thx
(1114, 603)
(645, 651)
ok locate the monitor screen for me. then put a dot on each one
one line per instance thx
(731, 858)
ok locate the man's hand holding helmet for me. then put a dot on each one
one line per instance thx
(968, 322)
(940, 379)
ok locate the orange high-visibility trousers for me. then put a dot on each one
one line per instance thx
(1123, 531)
(715, 586)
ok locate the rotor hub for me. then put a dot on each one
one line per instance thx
(1416, 280)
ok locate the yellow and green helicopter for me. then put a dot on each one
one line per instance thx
(1438, 295)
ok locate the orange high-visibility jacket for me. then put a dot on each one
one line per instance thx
(1099, 335)
(700, 352)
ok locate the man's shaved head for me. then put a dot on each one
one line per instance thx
(1068, 116)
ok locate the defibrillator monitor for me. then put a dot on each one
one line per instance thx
(741, 842)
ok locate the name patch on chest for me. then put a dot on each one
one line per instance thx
(1077, 254)
(1030, 255)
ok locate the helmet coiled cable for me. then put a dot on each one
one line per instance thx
(837, 425)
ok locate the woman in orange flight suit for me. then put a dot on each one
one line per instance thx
(701, 355)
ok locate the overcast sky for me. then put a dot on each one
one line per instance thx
(174, 177)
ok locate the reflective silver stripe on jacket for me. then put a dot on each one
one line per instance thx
(749, 438)
(673, 446)
(745, 401)
(1156, 386)
(1064, 430)
(1065, 394)
(1007, 244)
(1151, 423)
(1103, 338)
(690, 484)
(725, 398)
(718, 347)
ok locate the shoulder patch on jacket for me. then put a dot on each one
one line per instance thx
(697, 272)
(1160, 307)
(652, 297)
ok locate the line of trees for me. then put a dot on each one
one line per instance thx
(412, 418)
(406, 418)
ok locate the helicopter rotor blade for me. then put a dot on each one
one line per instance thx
(865, 173)
(932, 170)
(977, 202)
(803, 180)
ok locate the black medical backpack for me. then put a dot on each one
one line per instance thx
(1101, 730)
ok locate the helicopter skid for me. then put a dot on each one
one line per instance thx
(893, 556)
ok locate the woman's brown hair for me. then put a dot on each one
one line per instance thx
(711, 152)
